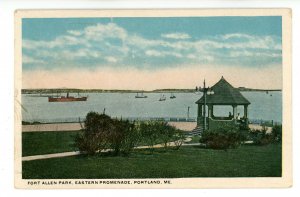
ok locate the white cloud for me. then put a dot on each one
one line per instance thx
(105, 42)
(75, 33)
(176, 36)
(111, 59)
(155, 53)
(236, 35)
(102, 31)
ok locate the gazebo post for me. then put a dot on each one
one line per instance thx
(200, 110)
(210, 109)
(234, 111)
(246, 111)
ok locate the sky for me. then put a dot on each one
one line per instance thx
(151, 53)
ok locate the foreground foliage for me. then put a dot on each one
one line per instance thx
(262, 137)
(101, 133)
(233, 137)
(222, 138)
(190, 161)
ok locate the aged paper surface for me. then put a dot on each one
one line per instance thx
(143, 66)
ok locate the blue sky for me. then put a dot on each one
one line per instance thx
(151, 44)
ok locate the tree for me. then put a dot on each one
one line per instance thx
(102, 132)
(149, 133)
(166, 133)
(178, 139)
(94, 136)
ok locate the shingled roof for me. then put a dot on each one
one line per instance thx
(224, 94)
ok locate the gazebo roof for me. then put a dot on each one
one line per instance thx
(224, 94)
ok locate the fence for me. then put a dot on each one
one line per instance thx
(167, 119)
(81, 119)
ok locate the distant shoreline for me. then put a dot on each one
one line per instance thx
(53, 91)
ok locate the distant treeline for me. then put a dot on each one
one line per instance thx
(53, 91)
(65, 90)
(257, 90)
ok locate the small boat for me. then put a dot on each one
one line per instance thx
(172, 96)
(162, 98)
(66, 98)
(141, 95)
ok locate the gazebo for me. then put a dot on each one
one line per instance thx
(221, 94)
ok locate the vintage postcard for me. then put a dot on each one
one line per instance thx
(197, 98)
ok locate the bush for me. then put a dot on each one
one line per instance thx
(277, 133)
(178, 139)
(150, 133)
(123, 137)
(166, 133)
(261, 137)
(159, 132)
(222, 138)
(101, 132)
(94, 136)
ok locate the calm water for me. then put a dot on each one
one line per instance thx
(263, 106)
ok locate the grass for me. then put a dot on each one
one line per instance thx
(192, 161)
(36, 143)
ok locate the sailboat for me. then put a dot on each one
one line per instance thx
(172, 96)
(162, 98)
(140, 95)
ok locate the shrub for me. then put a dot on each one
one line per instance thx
(123, 137)
(166, 133)
(94, 136)
(277, 133)
(261, 137)
(157, 132)
(101, 132)
(178, 139)
(222, 138)
(150, 133)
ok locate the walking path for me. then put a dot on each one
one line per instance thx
(184, 126)
(51, 127)
(74, 153)
(49, 156)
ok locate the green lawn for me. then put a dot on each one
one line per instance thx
(36, 143)
(246, 161)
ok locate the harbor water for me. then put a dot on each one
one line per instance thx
(263, 106)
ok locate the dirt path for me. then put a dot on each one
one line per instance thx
(185, 126)
(51, 127)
